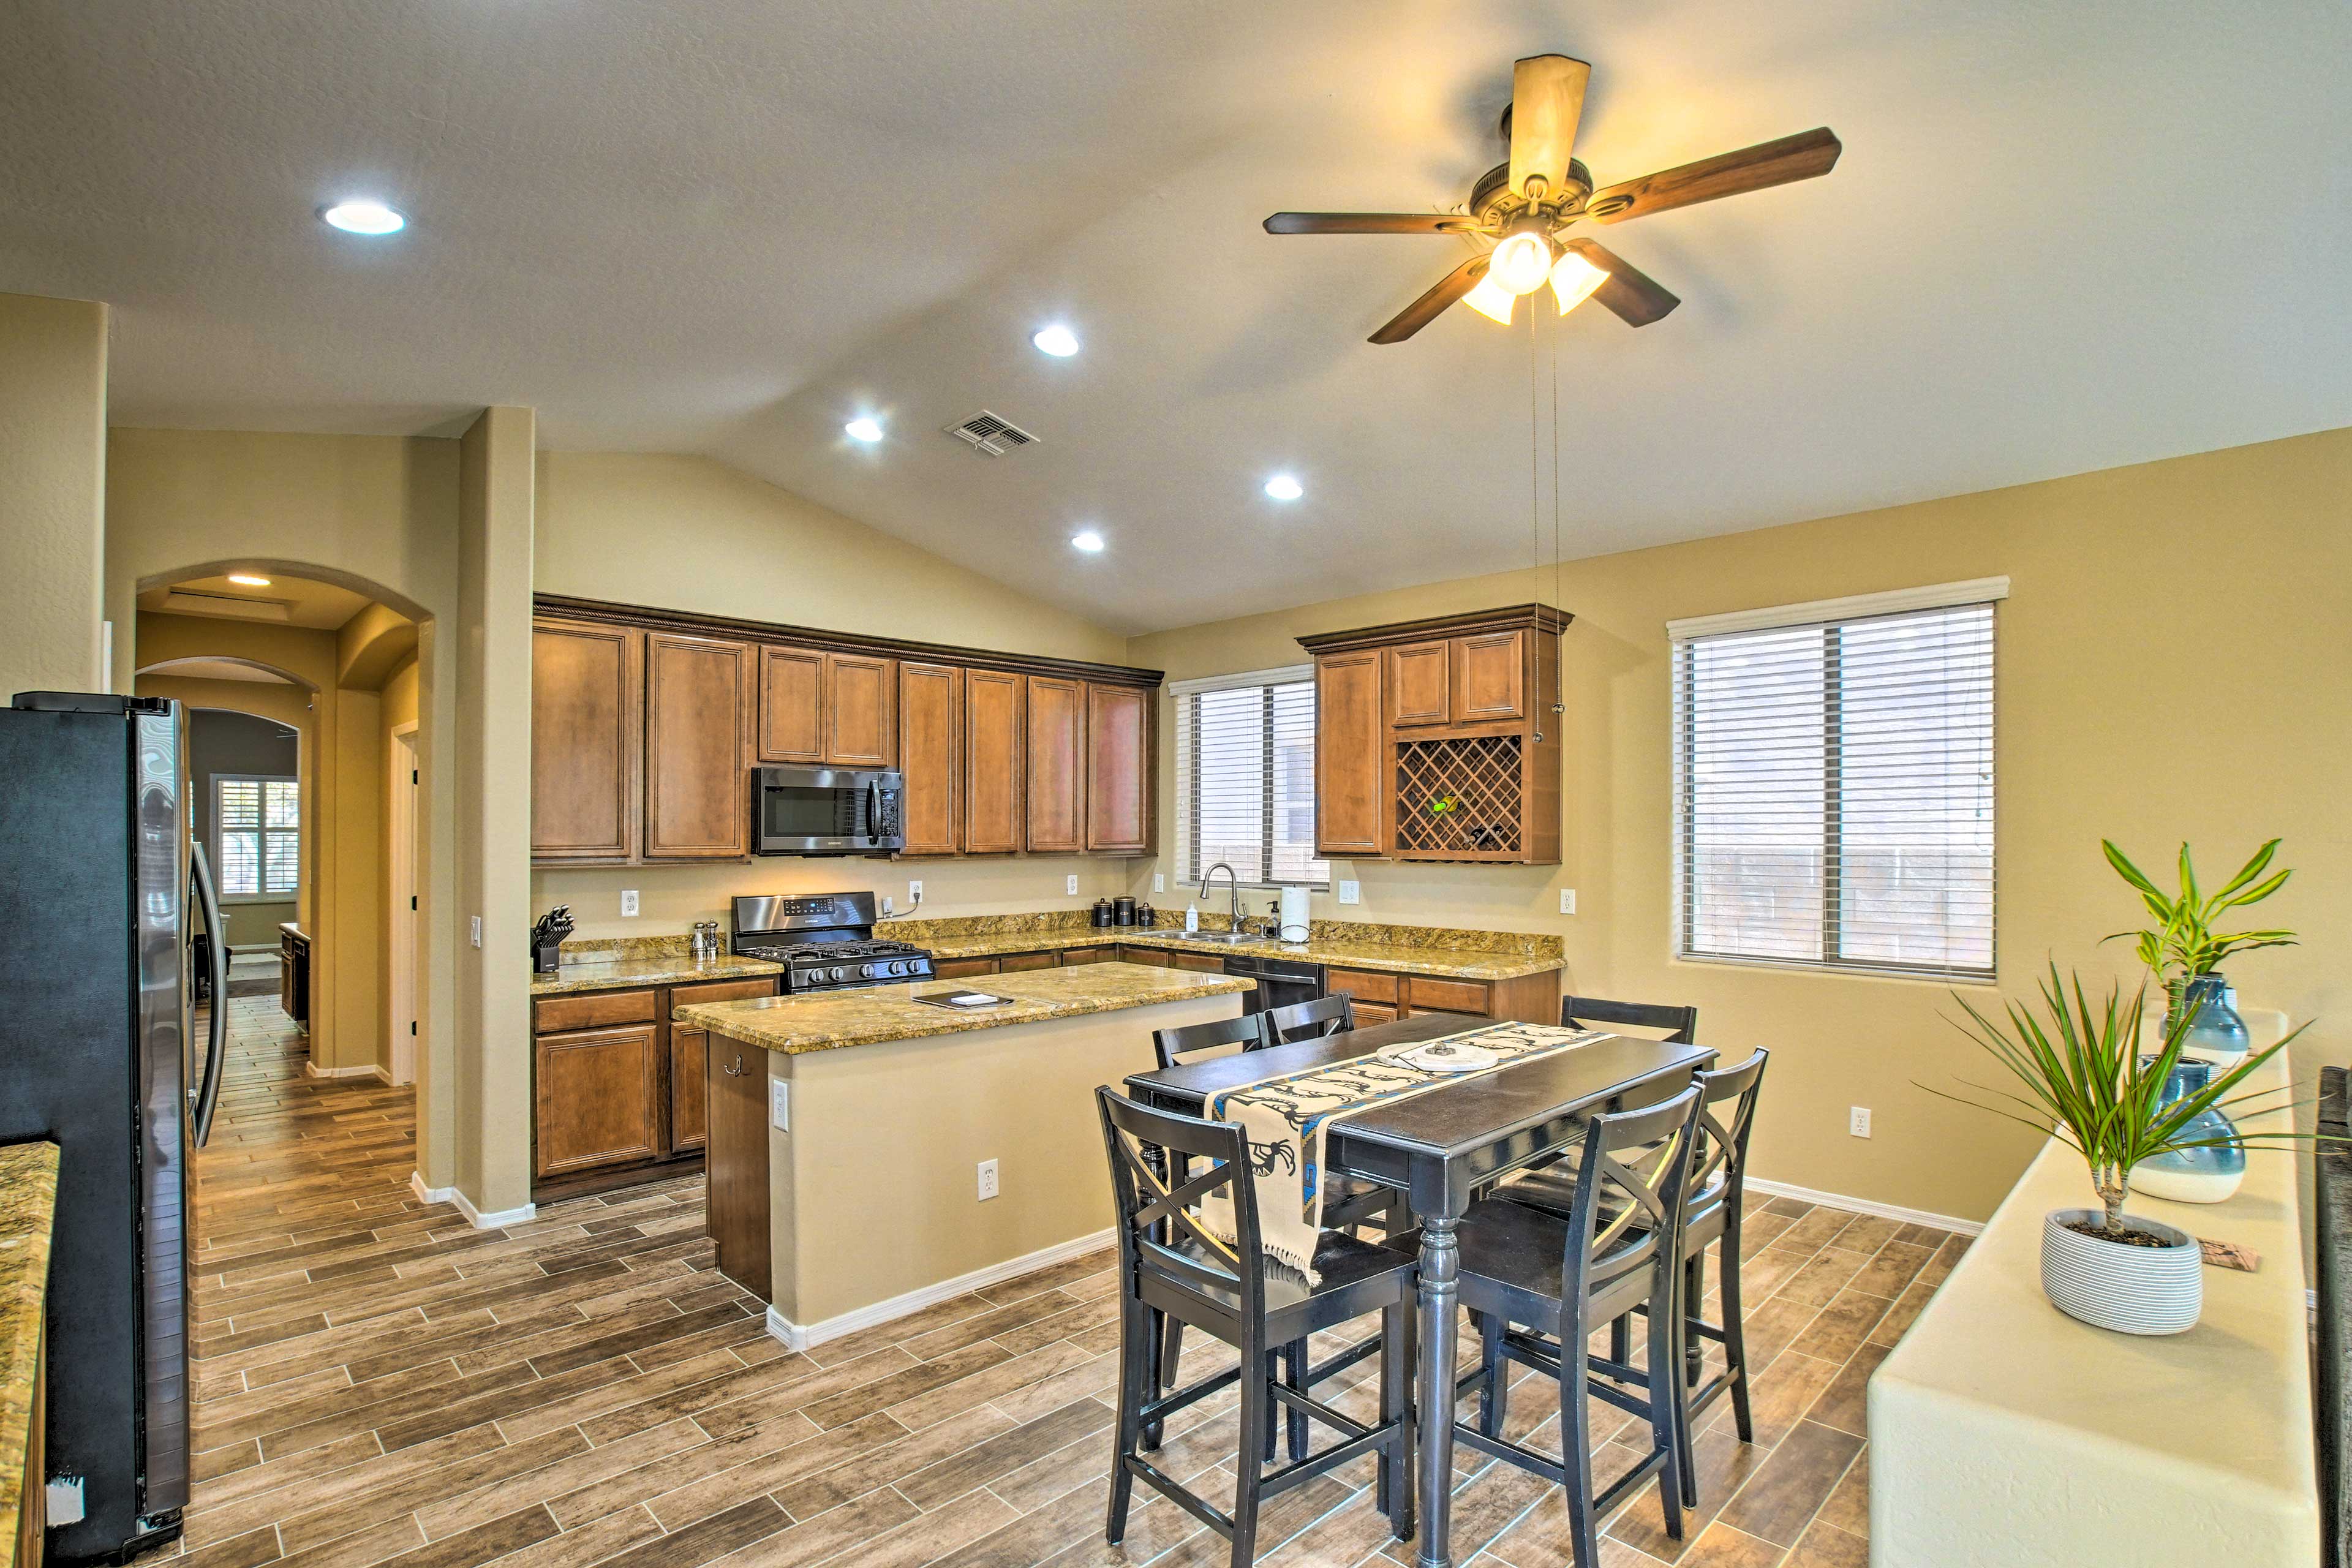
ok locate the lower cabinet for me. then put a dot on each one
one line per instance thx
(1014, 962)
(962, 968)
(1382, 996)
(690, 1112)
(595, 1098)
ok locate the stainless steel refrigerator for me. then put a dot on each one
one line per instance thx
(101, 886)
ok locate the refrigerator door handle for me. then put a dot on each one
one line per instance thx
(216, 1048)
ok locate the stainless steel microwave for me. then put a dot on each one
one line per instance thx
(826, 811)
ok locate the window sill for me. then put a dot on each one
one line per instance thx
(1839, 971)
(227, 899)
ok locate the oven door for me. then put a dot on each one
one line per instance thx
(826, 811)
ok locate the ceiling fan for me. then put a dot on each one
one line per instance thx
(1524, 207)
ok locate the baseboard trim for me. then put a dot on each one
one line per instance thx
(313, 1070)
(465, 1205)
(1866, 1205)
(800, 1337)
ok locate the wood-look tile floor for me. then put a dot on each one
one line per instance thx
(378, 1384)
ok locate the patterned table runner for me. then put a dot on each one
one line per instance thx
(1285, 1118)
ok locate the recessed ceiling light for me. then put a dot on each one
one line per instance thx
(1088, 541)
(363, 217)
(1056, 340)
(868, 430)
(1281, 487)
(246, 579)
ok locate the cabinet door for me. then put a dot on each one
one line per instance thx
(792, 704)
(1351, 793)
(993, 726)
(962, 968)
(930, 756)
(1490, 678)
(596, 1096)
(1019, 963)
(860, 699)
(1119, 769)
(690, 1098)
(1420, 683)
(697, 783)
(1057, 790)
(1370, 1014)
(585, 687)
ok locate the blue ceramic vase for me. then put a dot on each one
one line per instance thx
(2207, 1176)
(2216, 1033)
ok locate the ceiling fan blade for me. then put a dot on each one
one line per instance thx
(1633, 294)
(1431, 305)
(1369, 223)
(1798, 157)
(1546, 100)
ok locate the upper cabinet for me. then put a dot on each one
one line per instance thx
(792, 705)
(930, 756)
(1056, 787)
(1119, 723)
(585, 686)
(994, 730)
(698, 769)
(829, 709)
(1437, 740)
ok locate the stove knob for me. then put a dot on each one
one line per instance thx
(894, 968)
(836, 972)
(868, 971)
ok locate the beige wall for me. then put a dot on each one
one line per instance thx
(2172, 663)
(52, 493)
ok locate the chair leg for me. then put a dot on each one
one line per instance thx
(1493, 1374)
(1256, 1416)
(1576, 1437)
(1294, 1366)
(1269, 1369)
(1621, 1342)
(1396, 1484)
(1734, 1337)
(1666, 1396)
(1172, 1349)
(1134, 1386)
(1694, 1294)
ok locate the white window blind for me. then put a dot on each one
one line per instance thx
(1833, 788)
(1245, 778)
(257, 834)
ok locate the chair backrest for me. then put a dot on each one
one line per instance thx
(1640, 1160)
(1586, 1012)
(1191, 1042)
(1152, 1209)
(1727, 1113)
(1332, 1014)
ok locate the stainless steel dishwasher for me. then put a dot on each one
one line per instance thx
(1279, 982)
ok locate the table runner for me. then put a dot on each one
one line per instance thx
(1285, 1117)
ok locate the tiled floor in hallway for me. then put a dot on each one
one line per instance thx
(378, 1384)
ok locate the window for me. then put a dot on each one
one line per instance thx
(1833, 783)
(257, 836)
(1246, 777)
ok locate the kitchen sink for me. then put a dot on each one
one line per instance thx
(1218, 936)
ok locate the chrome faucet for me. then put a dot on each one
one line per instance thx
(1234, 879)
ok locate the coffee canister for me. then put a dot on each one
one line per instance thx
(1123, 910)
(1102, 916)
(1146, 916)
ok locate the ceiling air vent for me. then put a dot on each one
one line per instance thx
(990, 435)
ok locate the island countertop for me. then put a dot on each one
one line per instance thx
(28, 1201)
(1398, 958)
(868, 1015)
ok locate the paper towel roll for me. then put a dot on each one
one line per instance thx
(1293, 919)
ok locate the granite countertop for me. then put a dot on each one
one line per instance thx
(609, 973)
(869, 1014)
(1452, 962)
(28, 1202)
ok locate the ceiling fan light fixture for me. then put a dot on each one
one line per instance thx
(1573, 279)
(1492, 300)
(1522, 261)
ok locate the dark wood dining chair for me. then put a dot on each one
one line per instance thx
(1561, 1277)
(1681, 1023)
(1711, 1213)
(1194, 1042)
(1311, 1020)
(1170, 1265)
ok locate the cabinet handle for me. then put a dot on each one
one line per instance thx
(736, 1070)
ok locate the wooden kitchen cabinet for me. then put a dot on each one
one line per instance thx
(1382, 996)
(930, 757)
(697, 776)
(792, 705)
(996, 724)
(1352, 789)
(1119, 722)
(586, 683)
(1055, 791)
(1420, 684)
(736, 1090)
(861, 702)
(689, 1106)
(1018, 962)
(1490, 676)
(595, 1099)
(962, 968)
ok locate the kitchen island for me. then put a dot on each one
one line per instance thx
(848, 1130)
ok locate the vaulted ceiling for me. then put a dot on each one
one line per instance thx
(2062, 237)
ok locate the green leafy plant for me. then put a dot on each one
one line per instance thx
(2183, 937)
(2085, 1081)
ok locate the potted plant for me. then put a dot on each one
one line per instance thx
(2185, 952)
(2085, 1081)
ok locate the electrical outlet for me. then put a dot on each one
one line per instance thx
(1567, 901)
(478, 930)
(888, 908)
(1351, 893)
(1070, 886)
(780, 1104)
(1857, 1120)
(914, 894)
(987, 1180)
(628, 903)
(1159, 881)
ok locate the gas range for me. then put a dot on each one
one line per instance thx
(826, 942)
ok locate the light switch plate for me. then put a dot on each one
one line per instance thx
(628, 903)
(1159, 881)
(1567, 901)
(780, 1104)
(1350, 893)
(1070, 886)
(478, 930)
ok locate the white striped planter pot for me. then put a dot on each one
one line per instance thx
(2131, 1289)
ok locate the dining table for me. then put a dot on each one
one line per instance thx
(1439, 1147)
